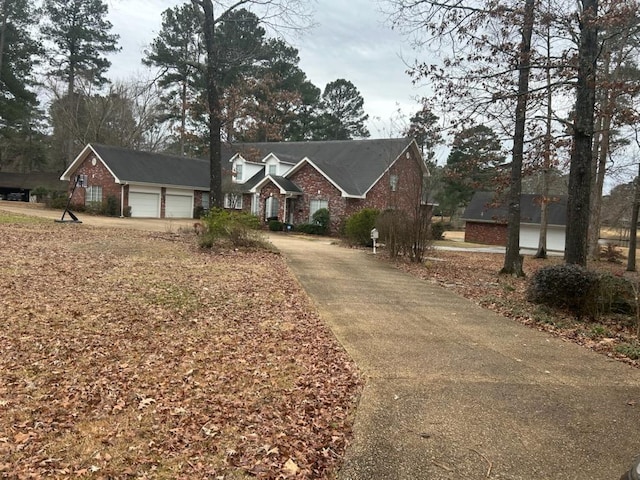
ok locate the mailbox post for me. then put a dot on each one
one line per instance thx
(374, 237)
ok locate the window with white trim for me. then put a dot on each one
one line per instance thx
(272, 207)
(255, 204)
(233, 201)
(273, 169)
(205, 200)
(238, 177)
(93, 195)
(316, 205)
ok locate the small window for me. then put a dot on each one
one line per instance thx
(316, 205)
(393, 181)
(82, 181)
(273, 169)
(205, 200)
(238, 177)
(233, 201)
(94, 195)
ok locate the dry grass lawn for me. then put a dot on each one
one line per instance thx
(134, 355)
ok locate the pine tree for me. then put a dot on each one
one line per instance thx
(80, 35)
(344, 116)
(19, 115)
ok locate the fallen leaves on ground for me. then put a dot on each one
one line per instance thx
(475, 276)
(128, 354)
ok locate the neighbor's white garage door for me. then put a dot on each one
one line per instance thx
(144, 204)
(178, 206)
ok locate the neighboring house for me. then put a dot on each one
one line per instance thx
(287, 181)
(19, 186)
(486, 221)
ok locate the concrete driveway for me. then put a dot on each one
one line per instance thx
(456, 392)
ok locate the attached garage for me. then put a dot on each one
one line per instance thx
(144, 204)
(178, 205)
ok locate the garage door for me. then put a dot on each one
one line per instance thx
(178, 206)
(144, 204)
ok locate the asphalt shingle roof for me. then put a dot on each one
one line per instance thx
(354, 165)
(155, 168)
(486, 207)
(32, 180)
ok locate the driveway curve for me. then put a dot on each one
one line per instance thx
(454, 391)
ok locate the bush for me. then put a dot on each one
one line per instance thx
(565, 286)
(111, 207)
(199, 212)
(57, 200)
(437, 230)
(239, 229)
(275, 225)
(322, 219)
(310, 228)
(359, 225)
(41, 193)
(405, 234)
(615, 295)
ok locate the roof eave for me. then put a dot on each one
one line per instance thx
(299, 165)
(66, 176)
(147, 184)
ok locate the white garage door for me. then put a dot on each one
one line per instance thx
(144, 204)
(178, 206)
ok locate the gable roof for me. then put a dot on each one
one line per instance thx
(488, 208)
(131, 166)
(353, 166)
(284, 185)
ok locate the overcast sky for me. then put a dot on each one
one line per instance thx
(350, 41)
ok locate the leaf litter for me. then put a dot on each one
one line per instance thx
(128, 356)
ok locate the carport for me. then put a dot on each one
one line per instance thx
(18, 186)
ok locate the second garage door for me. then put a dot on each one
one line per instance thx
(144, 204)
(178, 206)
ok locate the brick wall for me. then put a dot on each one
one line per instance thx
(316, 187)
(97, 175)
(486, 233)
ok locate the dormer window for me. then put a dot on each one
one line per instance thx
(238, 172)
(273, 168)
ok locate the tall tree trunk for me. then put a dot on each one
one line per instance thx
(3, 29)
(183, 116)
(512, 258)
(600, 149)
(215, 122)
(546, 168)
(598, 184)
(633, 227)
(72, 101)
(582, 154)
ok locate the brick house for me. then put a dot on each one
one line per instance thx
(288, 181)
(486, 221)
